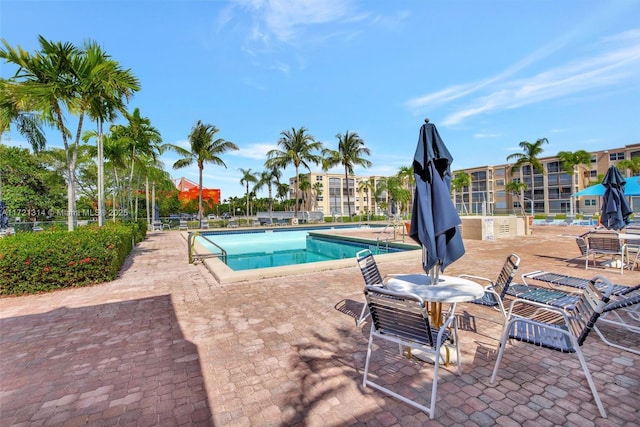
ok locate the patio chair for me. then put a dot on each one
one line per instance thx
(183, 225)
(204, 224)
(568, 220)
(581, 241)
(565, 336)
(549, 219)
(494, 292)
(371, 276)
(157, 225)
(403, 319)
(604, 243)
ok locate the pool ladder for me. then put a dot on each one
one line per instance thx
(195, 256)
(394, 226)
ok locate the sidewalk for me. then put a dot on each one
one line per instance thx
(165, 344)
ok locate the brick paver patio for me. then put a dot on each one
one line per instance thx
(167, 345)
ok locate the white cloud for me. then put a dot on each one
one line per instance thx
(256, 151)
(616, 63)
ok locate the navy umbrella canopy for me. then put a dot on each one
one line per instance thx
(434, 220)
(615, 209)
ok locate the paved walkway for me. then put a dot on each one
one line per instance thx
(165, 344)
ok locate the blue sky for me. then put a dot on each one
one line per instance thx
(488, 73)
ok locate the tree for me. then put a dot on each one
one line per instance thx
(350, 153)
(633, 164)
(32, 190)
(296, 147)
(459, 182)
(247, 178)
(529, 156)
(204, 149)
(62, 79)
(27, 123)
(518, 187)
(570, 160)
(368, 186)
(406, 175)
(269, 177)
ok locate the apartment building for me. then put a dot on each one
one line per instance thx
(487, 195)
(327, 193)
(552, 188)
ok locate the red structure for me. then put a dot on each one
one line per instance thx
(189, 191)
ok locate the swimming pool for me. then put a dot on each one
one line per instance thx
(257, 249)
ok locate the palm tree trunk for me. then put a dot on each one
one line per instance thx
(346, 177)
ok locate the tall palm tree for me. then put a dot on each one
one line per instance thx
(63, 79)
(247, 178)
(296, 147)
(269, 177)
(204, 149)
(570, 160)
(350, 153)
(529, 156)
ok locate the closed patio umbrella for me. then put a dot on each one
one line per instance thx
(434, 220)
(615, 209)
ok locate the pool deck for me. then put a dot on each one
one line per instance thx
(166, 344)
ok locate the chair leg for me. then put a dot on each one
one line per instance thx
(592, 385)
(363, 315)
(501, 346)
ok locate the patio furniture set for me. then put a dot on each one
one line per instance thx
(557, 312)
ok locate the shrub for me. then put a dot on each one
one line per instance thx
(37, 262)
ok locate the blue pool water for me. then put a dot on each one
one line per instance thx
(276, 248)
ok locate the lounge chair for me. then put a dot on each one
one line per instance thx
(183, 225)
(568, 220)
(623, 311)
(204, 224)
(495, 291)
(565, 333)
(581, 241)
(550, 219)
(403, 319)
(157, 225)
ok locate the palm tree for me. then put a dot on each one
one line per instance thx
(459, 182)
(269, 177)
(405, 173)
(62, 78)
(633, 164)
(204, 149)
(350, 153)
(518, 187)
(570, 160)
(247, 178)
(317, 192)
(304, 186)
(28, 124)
(297, 147)
(529, 156)
(368, 186)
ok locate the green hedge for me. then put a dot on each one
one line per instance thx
(38, 262)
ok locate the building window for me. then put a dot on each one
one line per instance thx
(616, 156)
(590, 202)
(500, 182)
(319, 178)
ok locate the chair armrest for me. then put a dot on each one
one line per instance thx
(479, 278)
(540, 307)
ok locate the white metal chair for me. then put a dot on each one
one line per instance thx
(622, 312)
(495, 291)
(403, 319)
(566, 335)
(183, 225)
(604, 243)
(371, 276)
